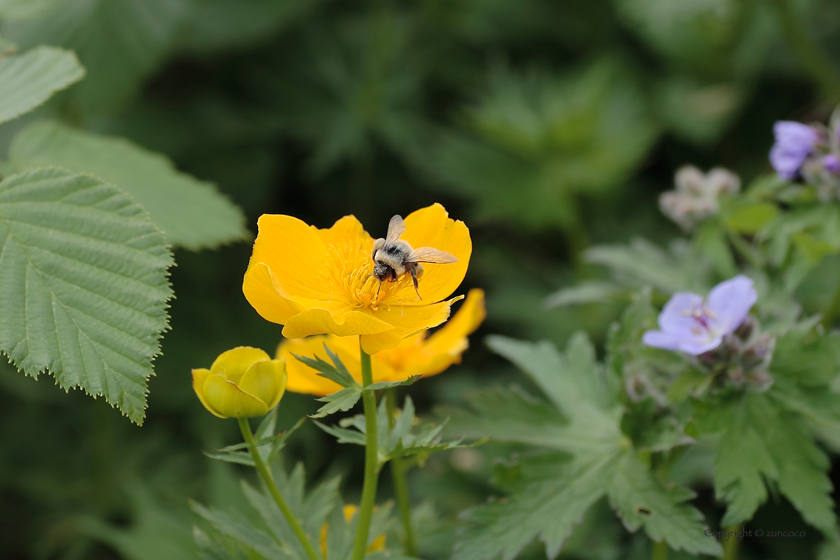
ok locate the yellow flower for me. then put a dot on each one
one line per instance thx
(318, 281)
(417, 355)
(241, 383)
(349, 512)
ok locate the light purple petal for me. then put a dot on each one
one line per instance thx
(730, 301)
(695, 348)
(674, 316)
(794, 143)
(691, 344)
(663, 340)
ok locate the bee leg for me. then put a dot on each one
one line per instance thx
(378, 290)
(413, 269)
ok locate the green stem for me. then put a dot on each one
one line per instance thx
(732, 544)
(360, 545)
(810, 55)
(268, 480)
(830, 315)
(659, 550)
(398, 470)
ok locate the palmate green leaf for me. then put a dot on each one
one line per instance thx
(83, 278)
(763, 439)
(192, 213)
(640, 263)
(641, 501)
(119, 41)
(336, 371)
(597, 460)
(551, 501)
(342, 400)
(29, 79)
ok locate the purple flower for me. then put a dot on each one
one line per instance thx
(794, 143)
(695, 325)
(832, 164)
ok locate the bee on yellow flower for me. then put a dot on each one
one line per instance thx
(321, 281)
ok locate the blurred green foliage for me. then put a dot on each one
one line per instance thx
(547, 125)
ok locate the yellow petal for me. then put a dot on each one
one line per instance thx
(406, 320)
(261, 290)
(199, 377)
(234, 363)
(229, 401)
(444, 347)
(432, 227)
(296, 257)
(320, 321)
(348, 228)
(304, 379)
(452, 336)
(265, 381)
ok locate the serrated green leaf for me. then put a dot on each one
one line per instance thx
(552, 497)
(548, 506)
(83, 273)
(640, 261)
(343, 435)
(236, 457)
(192, 213)
(242, 530)
(572, 380)
(509, 415)
(119, 41)
(29, 79)
(642, 501)
(763, 439)
(388, 384)
(336, 371)
(342, 400)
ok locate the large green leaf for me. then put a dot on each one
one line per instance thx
(763, 439)
(29, 79)
(83, 278)
(119, 41)
(192, 213)
(551, 491)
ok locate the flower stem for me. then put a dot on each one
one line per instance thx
(731, 545)
(810, 55)
(398, 470)
(268, 480)
(371, 462)
(659, 551)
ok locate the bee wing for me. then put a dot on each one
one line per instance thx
(396, 227)
(430, 255)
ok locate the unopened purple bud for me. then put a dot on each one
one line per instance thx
(832, 164)
(794, 143)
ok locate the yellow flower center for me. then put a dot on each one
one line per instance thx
(351, 268)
